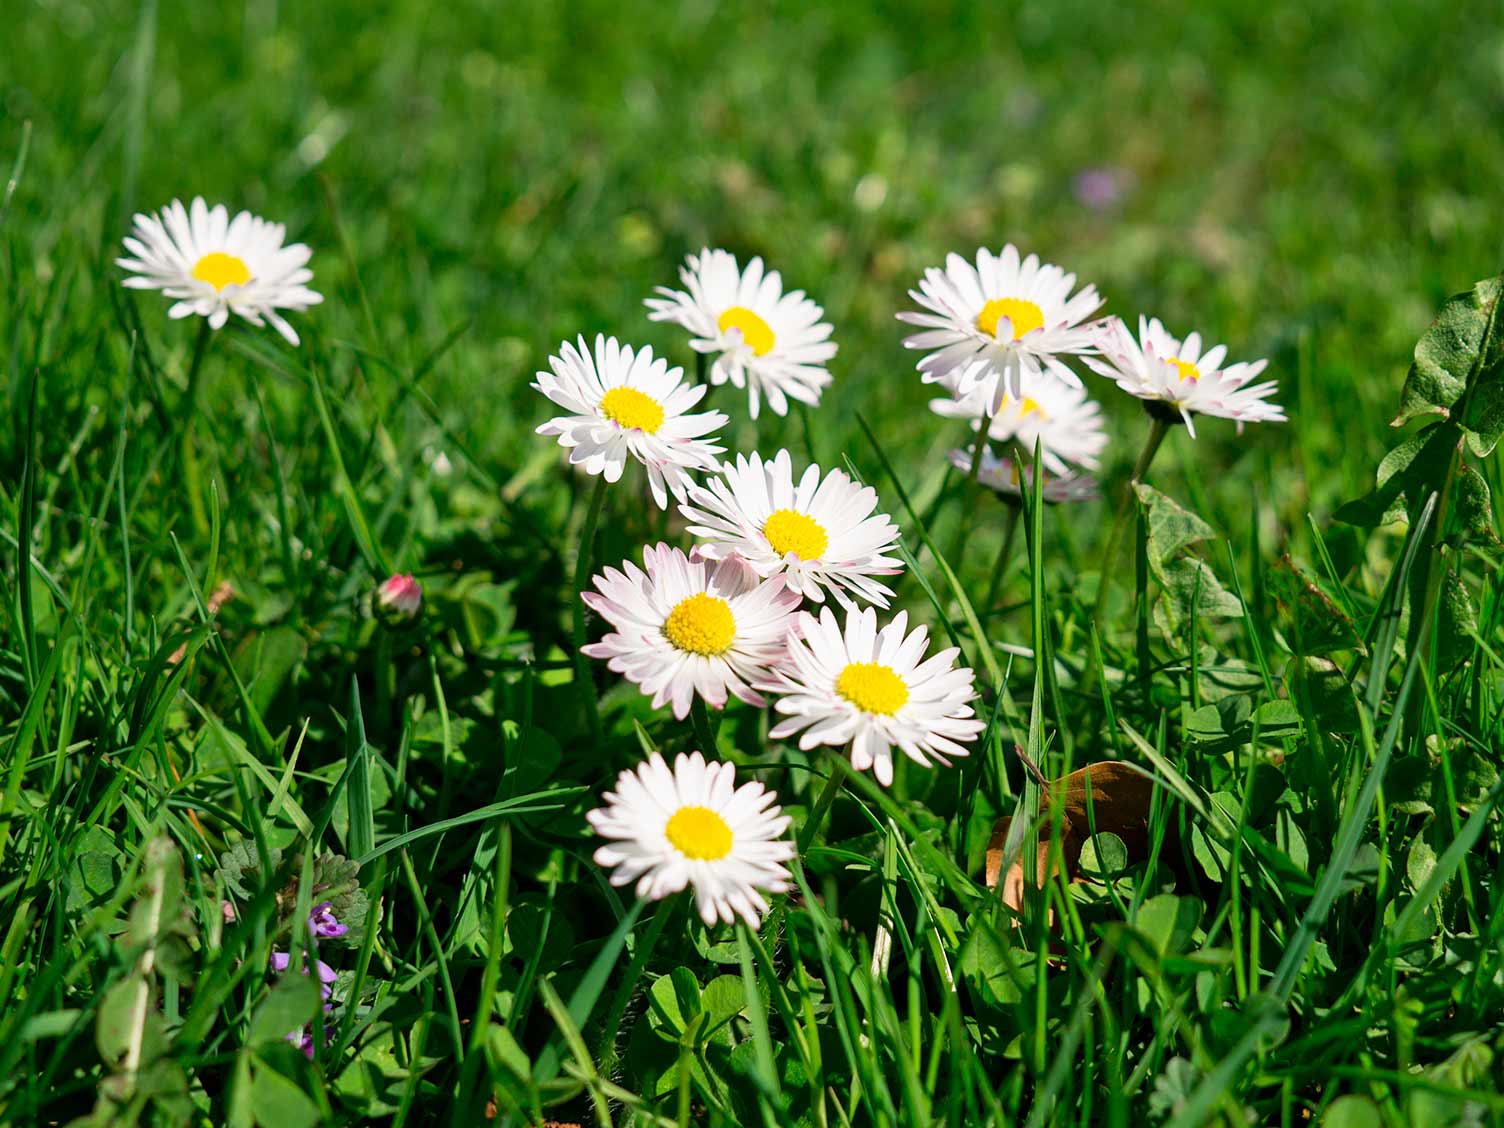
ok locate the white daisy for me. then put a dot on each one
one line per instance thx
(1018, 316)
(1006, 477)
(1060, 417)
(624, 403)
(773, 344)
(215, 266)
(693, 826)
(821, 534)
(688, 626)
(869, 688)
(1188, 380)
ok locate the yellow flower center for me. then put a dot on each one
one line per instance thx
(627, 407)
(1028, 406)
(701, 624)
(221, 270)
(788, 531)
(1184, 369)
(873, 688)
(699, 833)
(756, 332)
(1021, 313)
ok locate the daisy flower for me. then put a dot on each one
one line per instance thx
(215, 266)
(687, 626)
(773, 344)
(821, 534)
(1017, 315)
(1060, 417)
(1006, 477)
(870, 689)
(627, 403)
(400, 595)
(693, 826)
(1184, 378)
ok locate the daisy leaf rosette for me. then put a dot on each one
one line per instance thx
(772, 343)
(688, 626)
(623, 403)
(821, 533)
(1005, 476)
(215, 266)
(873, 690)
(1186, 378)
(691, 826)
(1018, 315)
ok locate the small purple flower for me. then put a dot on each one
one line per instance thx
(302, 1037)
(323, 923)
(1101, 187)
(281, 961)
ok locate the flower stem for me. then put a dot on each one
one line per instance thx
(1158, 429)
(822, 804)
(200, 349)
(1010, 534)
(963, 527)
(705, 732)
(581, 571)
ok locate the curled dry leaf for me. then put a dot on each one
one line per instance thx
(1111, 797)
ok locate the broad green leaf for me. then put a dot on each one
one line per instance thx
(1168, 922)
(1103, 857)
(290, 1005)
(1447, 354)
(1352, 1111)
(1188, 581)
(277, 1102)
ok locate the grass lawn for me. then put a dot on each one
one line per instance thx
(222, 748)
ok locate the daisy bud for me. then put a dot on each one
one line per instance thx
(401, 595)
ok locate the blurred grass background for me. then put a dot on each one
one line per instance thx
(1304, 182)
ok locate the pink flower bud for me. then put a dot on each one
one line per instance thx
(401, 595)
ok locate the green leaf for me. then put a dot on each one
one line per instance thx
(276, 1102)
(1103, 857)
(1459, 621)
(1447, 354)
(1168, 922)
(1187, 581)
(291, 1004)
(96, 871)
(675, 1001)
(1406, 476)
(1321, 688)
(1352, 1111)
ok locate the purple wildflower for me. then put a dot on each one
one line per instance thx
(323, 923)
(1101, 187)
(281, 961)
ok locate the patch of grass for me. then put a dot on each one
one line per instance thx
(200, 705)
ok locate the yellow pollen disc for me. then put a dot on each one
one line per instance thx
(221, 270)
(699, 833)
(1184, 369)
(627, 407)
(1030, 405)
(788, 531)
(756, 332)
(1021, 313)
(873, 688)
(701, 624)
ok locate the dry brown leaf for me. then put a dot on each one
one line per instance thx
(1112, 796)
